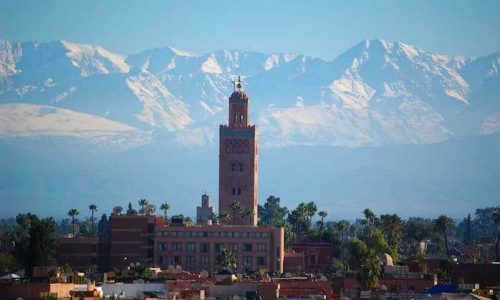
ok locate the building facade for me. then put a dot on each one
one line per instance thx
(196, 248)
(132, 239)
(238, 162)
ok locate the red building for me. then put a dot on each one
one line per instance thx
(132, 239)
(317, 256)
(238, 161)
(82, 252)
(196, 248)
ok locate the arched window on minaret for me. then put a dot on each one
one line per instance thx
(241, 118)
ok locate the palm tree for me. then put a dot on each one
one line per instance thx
(301, 213)
(343, 226)
(143, 202)
(311, 210)
(226, 259)
(322, 215)
(442, 224)
(73, 213)
(496, 219)
(237, 209)
(368, 221)
(165, 207)
(188, 221)
(392, 226)
(93, 208)
(214, 218)
(224, 217)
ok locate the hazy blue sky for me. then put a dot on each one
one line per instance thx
(318, 28)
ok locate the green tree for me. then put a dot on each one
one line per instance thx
(343, 226)
(298, 220)
(188, 221)
(226, 259)
(369, 221)
(238, 210)
(272, 214)
(7, 263)
(104, 226)
(416, 231)
(224, 217)
(442, 225)
(392, 226)
(290, 236)
(142, 203)
(468, 230)
(130, 210)
(495, 216)
(73, 213)
(165, 207)
(93, 209)
(214, 218)
(365, 261)
(35, 242)
(311, 210)
(322, 215)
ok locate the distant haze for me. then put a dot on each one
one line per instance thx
(385, 125)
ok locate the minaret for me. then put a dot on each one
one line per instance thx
(238, 162)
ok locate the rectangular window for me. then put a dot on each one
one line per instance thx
(247, 260)
(233, 248)
(261, 247)
(218, 248)
(177, 260)
(190, 260)
(204, 248)
(247, 247)
(204, 260)
(176, 246)
(190, 247)
(261, 260)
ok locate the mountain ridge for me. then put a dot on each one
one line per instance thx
(375, 93)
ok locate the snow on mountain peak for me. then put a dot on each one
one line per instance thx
(211, 66)
(181, 52)
(95, 59)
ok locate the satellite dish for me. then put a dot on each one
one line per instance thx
(204, 274)
(178, 267)
(171, 268)
(117, 210)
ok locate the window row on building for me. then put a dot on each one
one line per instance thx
(204, 260)
(222, 234)
(205, 247)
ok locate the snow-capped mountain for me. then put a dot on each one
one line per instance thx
(377, 92)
